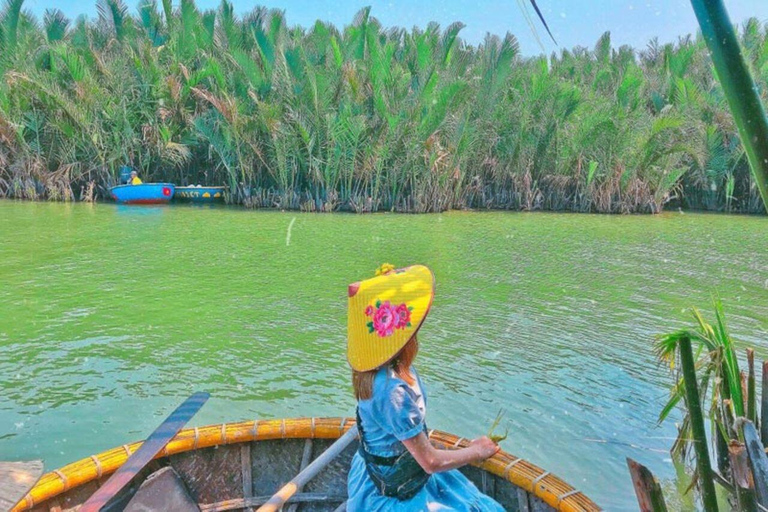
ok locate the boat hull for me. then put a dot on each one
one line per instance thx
(240, 465)
(146, 193)
(199, 194)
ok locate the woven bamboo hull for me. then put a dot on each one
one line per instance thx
(239, 465)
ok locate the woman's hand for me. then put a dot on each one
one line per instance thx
(433, 460)
(484, 447)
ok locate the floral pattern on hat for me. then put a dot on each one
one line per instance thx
(386, 317)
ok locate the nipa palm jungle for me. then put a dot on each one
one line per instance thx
(363, 117)
(574, 363)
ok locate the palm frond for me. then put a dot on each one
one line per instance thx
(56, 25)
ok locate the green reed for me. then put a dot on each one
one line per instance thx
(709, 382)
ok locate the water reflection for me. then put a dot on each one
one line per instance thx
(131, 211)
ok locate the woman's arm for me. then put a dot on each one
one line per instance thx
(433, 460)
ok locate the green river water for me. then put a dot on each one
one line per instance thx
(110, 316)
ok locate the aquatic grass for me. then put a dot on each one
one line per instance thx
(497, 438)
(711, 381)
(362, 117)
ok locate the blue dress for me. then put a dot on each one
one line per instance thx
(395, 413)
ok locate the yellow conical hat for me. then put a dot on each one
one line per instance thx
(385, 312)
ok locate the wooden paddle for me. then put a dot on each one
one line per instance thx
(317, 465)
(146, 452)
(16, 479)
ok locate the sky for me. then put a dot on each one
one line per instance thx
(573, 22)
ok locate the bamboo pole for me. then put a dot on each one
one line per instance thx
(751, 391)
(647, 488)
(764, 405)
(740, 89)
(279, 499)
(706, 478)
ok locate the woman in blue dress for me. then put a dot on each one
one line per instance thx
(396, 467)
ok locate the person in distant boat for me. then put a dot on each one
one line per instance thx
(135, 180)
(396, 467)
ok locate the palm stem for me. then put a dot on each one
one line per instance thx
(703, 464)
(740, 89)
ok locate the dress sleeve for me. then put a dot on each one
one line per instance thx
(401, 414)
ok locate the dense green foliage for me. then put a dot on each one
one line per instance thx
(363, 118)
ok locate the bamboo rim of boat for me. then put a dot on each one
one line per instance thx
(529, 477)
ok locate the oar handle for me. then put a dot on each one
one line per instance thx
(146, 452)
(288, 490)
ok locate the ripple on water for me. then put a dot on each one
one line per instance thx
(549, 317)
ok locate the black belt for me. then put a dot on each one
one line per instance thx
(377, 459)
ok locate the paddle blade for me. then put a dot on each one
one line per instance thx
(146, 452)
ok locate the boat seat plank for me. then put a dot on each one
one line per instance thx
(16, 479)
(162, 490)
(245, 468)
(211, 474)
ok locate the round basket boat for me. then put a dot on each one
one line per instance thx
(146, 193)
(238, 466)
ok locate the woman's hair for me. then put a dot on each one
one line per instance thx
(362, 382)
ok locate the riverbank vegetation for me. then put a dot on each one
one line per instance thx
(708, 383)
(363, 118)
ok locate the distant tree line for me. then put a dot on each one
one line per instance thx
(363, 118)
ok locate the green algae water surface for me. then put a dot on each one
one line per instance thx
(110, 316)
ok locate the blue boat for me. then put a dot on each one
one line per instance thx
(199, 194)
(146, 193)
